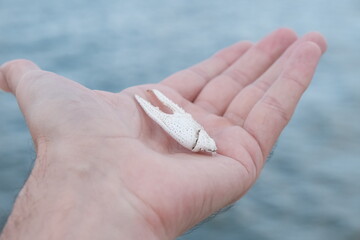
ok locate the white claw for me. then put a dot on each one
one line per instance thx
(167, 102)
(180, 125)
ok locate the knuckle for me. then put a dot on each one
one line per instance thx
(33, 79)
(235, 118)
(200, 73)
(277, 106)
(295, 79)
(239, 77)
(38, 74)
(262, 86)
(18, 62)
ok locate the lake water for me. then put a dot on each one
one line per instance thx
(310, 189)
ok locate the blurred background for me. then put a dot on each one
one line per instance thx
(310, 189)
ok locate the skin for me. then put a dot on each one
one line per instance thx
(104, 170)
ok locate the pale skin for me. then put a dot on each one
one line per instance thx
(105, 170)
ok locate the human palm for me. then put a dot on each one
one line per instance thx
(243, 96)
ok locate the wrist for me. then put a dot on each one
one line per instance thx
(60, 202)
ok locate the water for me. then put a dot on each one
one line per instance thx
(310, 189)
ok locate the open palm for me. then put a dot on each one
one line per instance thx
(243, 96)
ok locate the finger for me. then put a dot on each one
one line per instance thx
(12, 72)
(244, 101)
(18, 76)
(217, 94)
(40, 94)
(190, 81)
(271, 114)
(3, 83)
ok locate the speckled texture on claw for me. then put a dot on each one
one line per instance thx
(180, 125)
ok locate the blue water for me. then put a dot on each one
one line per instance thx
(310, 189)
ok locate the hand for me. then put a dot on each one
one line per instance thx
(105, 169)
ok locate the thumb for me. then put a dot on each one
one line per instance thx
(21, 77)
(32, 86)
(41, 95)
(3, 83)
(12, 72)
